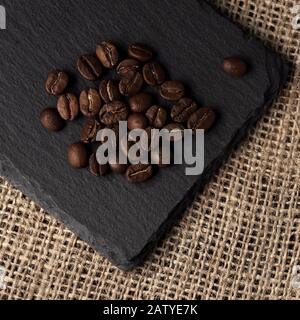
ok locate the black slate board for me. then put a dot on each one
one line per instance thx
(121, 220)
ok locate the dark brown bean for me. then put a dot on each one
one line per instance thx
(90, 102)
(131, 86)
(157, 116)
(139, 173)
(235, 67)
(68, 106)
(78, 155)
(109, 91)
(172, 90)
(140, 52)
(128, 68)
(203, 119)
(51, 120)
(56, 82)
(140, 102)
(137, 121)
(97, 169)
(113, 112)
(183, 109)
(108, 54)
(89, 130)
(154, 74)
(117, 167)
(89, 67)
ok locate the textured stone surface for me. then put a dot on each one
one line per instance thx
(120, 220)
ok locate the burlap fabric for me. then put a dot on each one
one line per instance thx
(239, 240)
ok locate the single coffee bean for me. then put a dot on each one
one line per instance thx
(117, 167)
(140, 102)
(137, 121)
(157, 116)
(78, 155)
(172, 90)
(154, 74)
(109, 91)
(176, 130)
(97, 169)
(89, 130)
(183, 109)
(128, 68)
(131, 86)
(203, 119)
(56, 82)
(108, 54)
(68, 106)
(90, 102)
(113, 112)
(89, 67)
(139, 173)
(51, 120)
(140, 52)
(235, 67)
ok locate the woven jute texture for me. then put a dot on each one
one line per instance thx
(240, 238)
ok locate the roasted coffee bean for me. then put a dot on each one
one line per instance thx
(109, 91)
(117, 167)
(68, 106)
(140, 52)
(235, 67)
(90, 102)
(203, 119)
(113, 112)
(176, 130)
(137, 121)
(89, 130)
(56, 82)
(78, 155)
(183, 109)
(139, 173)
(140, 102)
(154, 74)
(128, 68)
(157, 116)
(172, 90)
(89, 67)
(108, 54)
(51, 120)
(131, 86)
(97, 169)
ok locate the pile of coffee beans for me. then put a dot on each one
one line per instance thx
(122, 97)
